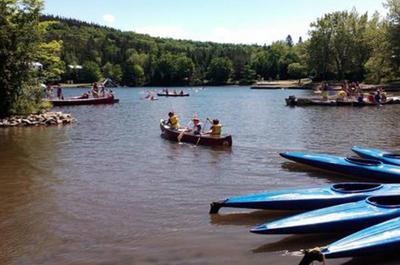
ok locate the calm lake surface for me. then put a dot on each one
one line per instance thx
(110, 190)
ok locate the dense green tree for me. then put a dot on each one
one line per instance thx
(297, 71)
(113, 72)
(394, 33)
(48, 54)
(90, 72)
(248, 76)
(20, 45)
(338, 45)
(220, 70)
(289, 41)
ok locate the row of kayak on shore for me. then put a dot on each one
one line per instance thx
(372, 209)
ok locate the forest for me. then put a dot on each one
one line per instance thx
(341, 45)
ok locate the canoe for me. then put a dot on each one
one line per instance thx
(356, 167)
(348, 216)
(85, 101)
(172, 135)
(336, 102)
(381, 238)
(172, 95)
(383, 156)
(307, 199)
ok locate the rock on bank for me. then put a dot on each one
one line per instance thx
(43, 119)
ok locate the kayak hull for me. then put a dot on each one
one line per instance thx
(380, 238)
(349, 216)
(360, 168)
(383, 156)
(307, 199)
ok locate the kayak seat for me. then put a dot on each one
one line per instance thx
(392, 155)
(355, 187)
(391, 201)
(363, 161)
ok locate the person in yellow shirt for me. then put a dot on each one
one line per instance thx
(216, 128)
(173, 121)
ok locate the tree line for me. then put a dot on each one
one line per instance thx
(341, 45)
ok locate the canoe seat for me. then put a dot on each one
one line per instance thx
(363, 162)
(355, 187)
(390, 201)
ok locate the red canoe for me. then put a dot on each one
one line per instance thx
(84, 101)
(172, 135)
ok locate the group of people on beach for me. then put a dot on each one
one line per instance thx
(353, 91)
(196, 128)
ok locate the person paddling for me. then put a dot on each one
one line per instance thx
(216, 128)
(173, 121)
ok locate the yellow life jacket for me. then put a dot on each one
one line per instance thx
(174, 121)
(342, 94)
(216, 130)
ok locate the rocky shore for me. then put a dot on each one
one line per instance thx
(43, 119)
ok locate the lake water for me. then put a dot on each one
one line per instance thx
(110, 190)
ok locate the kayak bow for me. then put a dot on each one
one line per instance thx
(356, 167)
(307, 199)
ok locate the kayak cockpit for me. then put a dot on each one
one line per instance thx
(356, 187)
(391, 201)
(363, 161)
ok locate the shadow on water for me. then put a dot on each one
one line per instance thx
(247, 219)
(318, 173)
(298, 242)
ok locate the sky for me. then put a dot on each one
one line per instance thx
(224, 21)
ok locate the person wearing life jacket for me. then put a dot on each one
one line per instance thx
(173, 121)
(341, 94)
(216, 128)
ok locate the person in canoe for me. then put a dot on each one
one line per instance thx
(95, 90)
(342, 93)
(196, 129)
(173, 121)
(181, 93)
(216, 128)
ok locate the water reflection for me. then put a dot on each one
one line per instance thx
(248, 219)
(28, 158)
(296, 242)
(110, 190)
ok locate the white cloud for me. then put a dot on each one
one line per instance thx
(245, 34)
(109, 19)
(263, 34)
(175, 32)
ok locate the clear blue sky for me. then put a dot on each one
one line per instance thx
(233, 21)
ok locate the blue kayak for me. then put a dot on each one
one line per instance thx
(383, 156)
(356, 167)
(349, 216)
(307, 199)
(381, 238)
